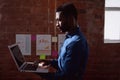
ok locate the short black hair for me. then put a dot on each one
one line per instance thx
(68, 9)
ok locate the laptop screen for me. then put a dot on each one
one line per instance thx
(17, 55)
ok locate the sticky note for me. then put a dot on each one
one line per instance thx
(54, 39)
(42, 56)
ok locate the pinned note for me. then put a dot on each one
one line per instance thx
(54, 39)
(33, 37)
(42, 56)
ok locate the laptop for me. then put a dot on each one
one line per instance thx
(20, 62)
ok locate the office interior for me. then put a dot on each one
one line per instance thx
(38, 17)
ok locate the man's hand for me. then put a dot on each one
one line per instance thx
(43, 63)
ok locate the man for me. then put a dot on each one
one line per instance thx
(73, 54)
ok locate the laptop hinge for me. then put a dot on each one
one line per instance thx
(23, 66)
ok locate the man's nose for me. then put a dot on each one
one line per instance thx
(58, 23)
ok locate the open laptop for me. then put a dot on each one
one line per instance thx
(20, 62)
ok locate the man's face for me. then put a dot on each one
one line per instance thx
(61, 22)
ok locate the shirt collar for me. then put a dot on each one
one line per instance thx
(77, 31)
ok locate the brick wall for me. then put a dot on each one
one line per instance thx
(37, 17)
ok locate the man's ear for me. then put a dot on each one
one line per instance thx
(74, 21)
(71, 20)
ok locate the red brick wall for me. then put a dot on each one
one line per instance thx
(37, 17)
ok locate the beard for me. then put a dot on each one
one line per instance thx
(64, 28)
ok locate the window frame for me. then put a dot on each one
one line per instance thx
(110, 9)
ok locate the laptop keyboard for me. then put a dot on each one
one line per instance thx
(30, 67)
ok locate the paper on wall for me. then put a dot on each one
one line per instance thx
(24, 42)
(61, 38)
(43, 44)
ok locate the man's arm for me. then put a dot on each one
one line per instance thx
(54, 63)
(74, 60)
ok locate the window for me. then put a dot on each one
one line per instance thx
(112, 21)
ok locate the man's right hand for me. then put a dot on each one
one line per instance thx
(43, 63)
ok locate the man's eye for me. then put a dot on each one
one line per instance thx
(56, 20)
(59, 20)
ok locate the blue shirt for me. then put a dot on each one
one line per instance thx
(73, 55)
